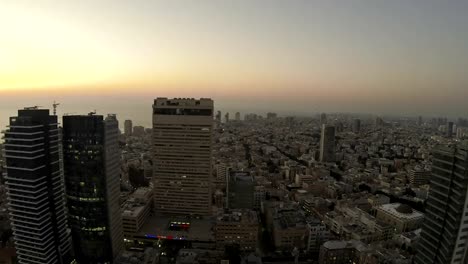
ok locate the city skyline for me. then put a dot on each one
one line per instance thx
(220, 131)
(393, 57)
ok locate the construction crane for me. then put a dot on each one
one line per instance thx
(55, 104)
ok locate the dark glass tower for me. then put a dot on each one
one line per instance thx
(35, 188)
(444, 236)
(91, 164)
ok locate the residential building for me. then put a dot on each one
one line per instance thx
(419, 176)
(35, 188)
(338, 252)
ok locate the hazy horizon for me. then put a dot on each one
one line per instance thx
(381, 57)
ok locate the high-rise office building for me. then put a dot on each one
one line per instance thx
(218, 116)
(323, 118)
(449, 129)
(226, 117)
(237, 116)
(240, 190)
(182, 147)
(35, 188)
(327, 144)
(92, 177)
(444, 236)
(356, 125)
(128, 127)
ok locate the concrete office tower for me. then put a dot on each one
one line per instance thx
(182, 147)
(92, 176)
(128, 127)
(323, 118)
(35, 188)
(240, 190)
(356, 125)
(327, 144)
(237, 116)
(444, 236)
(226, 117)
(449, 129)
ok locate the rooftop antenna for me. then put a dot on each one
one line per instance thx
(55, 104)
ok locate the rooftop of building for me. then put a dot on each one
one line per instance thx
(241, 176)
(142, 192)
(158, 227)
(401, 211)
(131, 209)
(243, 216)
(340, 244)
(289, 219)
(166, 102)
(143, 256)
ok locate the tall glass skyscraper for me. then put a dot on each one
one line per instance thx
(444, 236)
(182, 145)
(92, 177)
(35, 188)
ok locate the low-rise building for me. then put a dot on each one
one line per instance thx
(318, 234)
(401, 217)
(143, 256)
(339, 252)
(419, 176)
(237, 227)
(136, 210)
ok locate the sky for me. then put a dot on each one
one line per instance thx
(373, 56)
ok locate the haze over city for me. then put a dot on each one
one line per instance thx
(233, 132)
(385, 57)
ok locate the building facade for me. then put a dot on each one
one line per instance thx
(401, 217)
(327, 144)
(136, 211)
(128, 128)
(182, 148)
(240, 190)
(35, 188)
(237, 227)
(91, 161)
(444, 235)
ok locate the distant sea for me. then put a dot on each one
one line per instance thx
(141, 116)
(139, 112)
